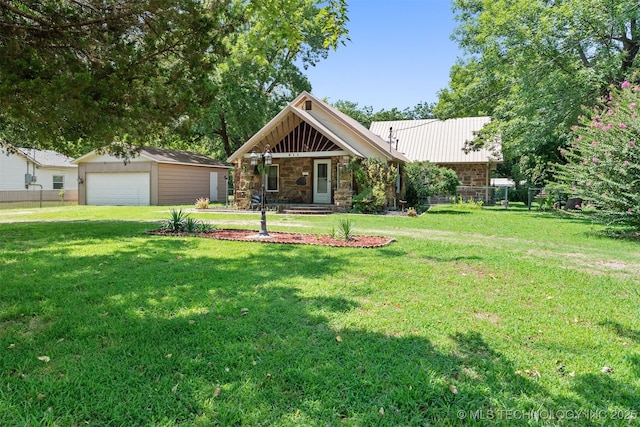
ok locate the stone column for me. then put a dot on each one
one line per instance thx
(344, 192)
(242, 183)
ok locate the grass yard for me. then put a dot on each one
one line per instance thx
(470, 317)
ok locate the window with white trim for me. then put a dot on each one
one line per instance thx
(273, 178)
(58, 182)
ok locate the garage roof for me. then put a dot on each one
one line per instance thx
(166, 155)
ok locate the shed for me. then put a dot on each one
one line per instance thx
(156, 176)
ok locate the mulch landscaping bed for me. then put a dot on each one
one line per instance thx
(356, 241)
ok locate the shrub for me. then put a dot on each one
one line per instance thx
(425, 179)
(371, 200)
(204, 227)
(372, 177)
(470, 203)
(202, 203)
(603, 162)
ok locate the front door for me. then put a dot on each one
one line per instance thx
(322, 181)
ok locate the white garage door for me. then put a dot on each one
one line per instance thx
(131, 189)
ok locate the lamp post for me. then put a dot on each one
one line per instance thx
(265, 157)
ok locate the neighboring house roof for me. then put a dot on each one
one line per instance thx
(41, 158)
(165, 155)
(342, 130)
(439, 141)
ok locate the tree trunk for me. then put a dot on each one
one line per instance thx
(226, 142)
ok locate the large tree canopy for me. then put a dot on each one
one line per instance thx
(264, 71)
(532, 64)
(89, 70)
(80, 74)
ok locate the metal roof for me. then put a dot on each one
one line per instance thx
(438, 141)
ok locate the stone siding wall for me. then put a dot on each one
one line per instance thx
(295, 182)
(342, 197)
(473, 183)
(473, 174)
(242, 183)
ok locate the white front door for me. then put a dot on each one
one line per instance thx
(322, 181)
(213, 186)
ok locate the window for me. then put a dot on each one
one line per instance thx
(272, 178)
(58, 182)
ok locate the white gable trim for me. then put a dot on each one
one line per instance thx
(262, 133)
(91, 154)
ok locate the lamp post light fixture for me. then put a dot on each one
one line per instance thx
(265, 159)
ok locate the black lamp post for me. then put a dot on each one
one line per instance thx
(266, 161)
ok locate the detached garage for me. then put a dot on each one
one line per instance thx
(157, 176)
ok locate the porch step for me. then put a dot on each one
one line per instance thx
(309, 210)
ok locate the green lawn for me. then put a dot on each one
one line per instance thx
(485, 315)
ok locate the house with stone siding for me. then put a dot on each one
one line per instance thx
(443, 142)
(311, 144)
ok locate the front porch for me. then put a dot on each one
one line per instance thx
(296, 183)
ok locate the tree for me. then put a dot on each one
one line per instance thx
(532, 64)
(352, 109)
(603, 162)
(181, 73)
(78, 74)
(425, 179)
(366, 115)
(264, 71)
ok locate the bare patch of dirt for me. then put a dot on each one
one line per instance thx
(599, 267)
(492, 318)
(356, 241)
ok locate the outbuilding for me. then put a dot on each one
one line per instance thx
(156, 176)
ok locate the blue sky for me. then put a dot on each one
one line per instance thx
(399, 55)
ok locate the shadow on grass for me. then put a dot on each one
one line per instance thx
(145, 330)
(621, 331)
